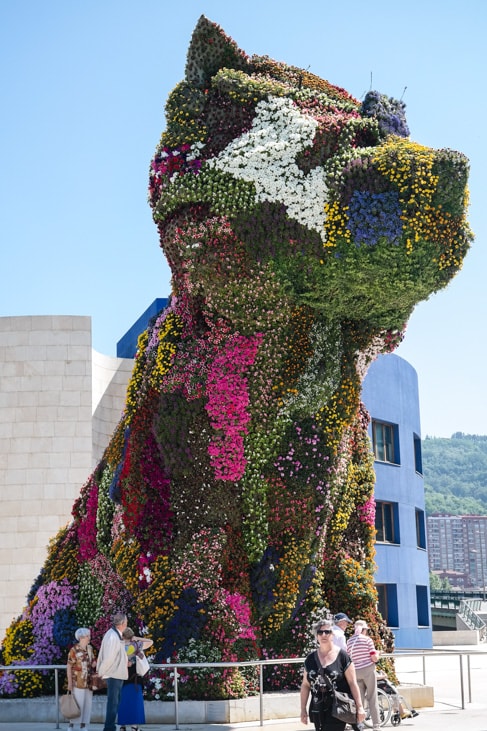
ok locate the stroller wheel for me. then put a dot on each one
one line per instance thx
(396, 719)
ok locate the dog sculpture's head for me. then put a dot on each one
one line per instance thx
(264, 165)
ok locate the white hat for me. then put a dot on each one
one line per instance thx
(361, 623)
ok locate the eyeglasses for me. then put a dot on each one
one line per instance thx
(324, 632)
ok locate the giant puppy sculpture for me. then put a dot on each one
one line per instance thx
(235, 498)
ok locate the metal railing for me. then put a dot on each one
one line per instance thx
(468, 611)
(452, 599)
(173, 669)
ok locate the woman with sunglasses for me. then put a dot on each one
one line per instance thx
(335, 663)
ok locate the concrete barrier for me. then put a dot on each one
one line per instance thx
(418, 696)
(448, 638)
(276, 706)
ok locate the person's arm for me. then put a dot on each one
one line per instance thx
(355, 691)
(69, 667)
(304, 695)
(374, 653)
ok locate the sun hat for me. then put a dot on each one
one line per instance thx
(361, 623)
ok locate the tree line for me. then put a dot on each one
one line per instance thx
(455, 474)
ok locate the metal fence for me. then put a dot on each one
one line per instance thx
(419, 670)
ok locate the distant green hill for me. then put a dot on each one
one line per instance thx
(455, 474)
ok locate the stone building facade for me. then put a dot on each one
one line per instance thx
(59, 404)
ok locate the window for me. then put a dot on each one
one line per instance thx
(385, 442)
(387, 604)
(418, 458)
(420, 529)
(386, 522)
(423, 606)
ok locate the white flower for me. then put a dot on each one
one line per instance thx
(266, 156)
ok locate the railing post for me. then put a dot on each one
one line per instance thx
(176, 700)
(461, 682)
(261, 693)
(469, 680)
(56, 695)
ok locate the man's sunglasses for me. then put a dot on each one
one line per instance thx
(324, 632)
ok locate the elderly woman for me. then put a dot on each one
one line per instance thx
(334, 662)
(79, 669)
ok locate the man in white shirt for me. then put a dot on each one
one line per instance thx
(341, 623)
(112, 664)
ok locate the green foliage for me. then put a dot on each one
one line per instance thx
(437, 584)
(455, 474)
(90, 595)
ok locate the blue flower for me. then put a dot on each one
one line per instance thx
(373, 216)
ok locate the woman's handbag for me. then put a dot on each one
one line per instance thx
(69, 706)
(97, 682)
(142, 665)
(343, 707)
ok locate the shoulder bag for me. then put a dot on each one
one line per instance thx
(343, 707)
(69, 706)
(97, 682)
(142, 665)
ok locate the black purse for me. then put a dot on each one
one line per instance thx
(343, 707)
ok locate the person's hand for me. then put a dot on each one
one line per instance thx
(304, 717)
(360, 714)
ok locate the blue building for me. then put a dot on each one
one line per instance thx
(127, 345)
(390, 394)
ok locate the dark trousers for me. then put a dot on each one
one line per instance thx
(114, 690)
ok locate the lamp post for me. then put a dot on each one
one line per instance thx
(481, 553)
(481, 562)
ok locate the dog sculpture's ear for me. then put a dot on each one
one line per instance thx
(209, 51)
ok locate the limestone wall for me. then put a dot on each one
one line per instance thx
(110, 379)
(54, 425)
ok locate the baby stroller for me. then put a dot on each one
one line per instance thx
(399, 705)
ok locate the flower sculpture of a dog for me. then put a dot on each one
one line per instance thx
(235, 499)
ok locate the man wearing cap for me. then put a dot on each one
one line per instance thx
(341, 623)
(361, 649)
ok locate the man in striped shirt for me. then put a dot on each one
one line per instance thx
(361, 649)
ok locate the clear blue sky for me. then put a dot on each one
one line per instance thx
(83, 88)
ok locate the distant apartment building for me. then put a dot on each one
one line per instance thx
(457, 546)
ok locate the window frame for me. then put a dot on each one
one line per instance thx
(387, 604)
(422, 606)
(418, 454)
(420, 519)
(389, 524)
(389, 452)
